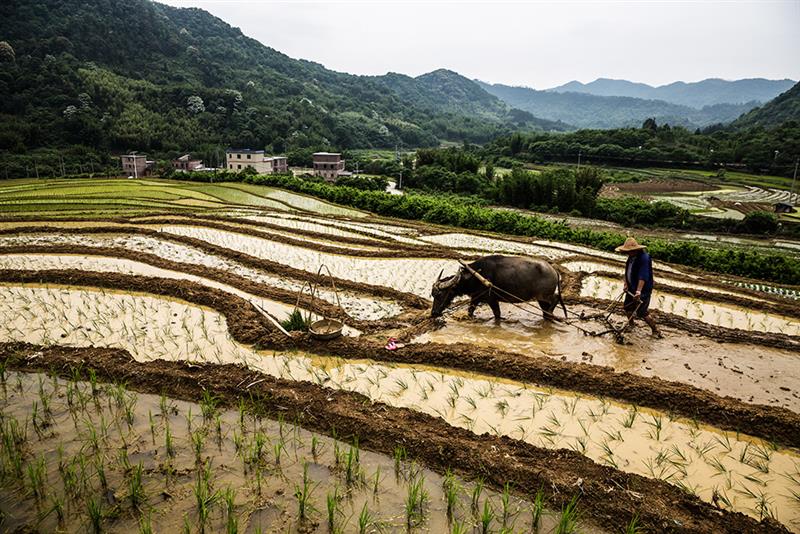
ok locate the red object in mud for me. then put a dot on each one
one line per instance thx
(391, 344)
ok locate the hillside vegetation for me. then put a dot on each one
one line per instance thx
(786, 107)
(141, 75)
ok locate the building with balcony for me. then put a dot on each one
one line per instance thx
(329, 165)
(237, 159)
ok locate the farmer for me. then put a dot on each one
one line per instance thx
(638, 283)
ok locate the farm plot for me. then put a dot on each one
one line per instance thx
(275, 311)
(744, 371)
(717, 314)
(413, 276)
(89, 456)
(357, 306)
(205, 329)
(707, 462)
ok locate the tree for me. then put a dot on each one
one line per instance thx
(7, 54)
(195, 104)
(650, 124)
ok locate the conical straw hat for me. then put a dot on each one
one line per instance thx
(629, 245)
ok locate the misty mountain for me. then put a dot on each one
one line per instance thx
(592, 111)
(707, 92)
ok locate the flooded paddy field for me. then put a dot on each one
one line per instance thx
(85, 455)
(163, 290)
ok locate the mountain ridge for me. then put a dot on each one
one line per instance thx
(707, 92)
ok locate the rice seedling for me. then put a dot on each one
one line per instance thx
(208, 405)
(204, 497)
(376, 482)
(486, 518)
(198, 440)
(95, 511)
(400, 456)
(277, 450)
(146, 523)
(332, 507)
(476, 494)
(568, 520)
(416, 501)
(537, 510)
(633, 526)
(630, 417)
(365, 519)
(352, 465)
(168, 440)
(657, 425)
(303, 495)
(502, 407)
(296, 322)
(37, 476)
(100, 469)
(57, 507)
(451, 489)
(505, 501)
(459, 527)
(136, 493)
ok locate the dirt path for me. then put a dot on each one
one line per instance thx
(607, 496)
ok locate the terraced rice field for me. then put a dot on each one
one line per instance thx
(147, 382)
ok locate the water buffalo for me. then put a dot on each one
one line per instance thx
(514, 279)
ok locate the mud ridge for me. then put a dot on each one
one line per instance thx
(607, 496)
(248, 326)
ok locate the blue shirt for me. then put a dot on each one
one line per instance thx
(639, 267)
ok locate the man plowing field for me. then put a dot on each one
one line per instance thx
(638, 284)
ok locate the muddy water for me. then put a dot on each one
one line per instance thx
(356, 306)
(751, 373)
(387, 231)
(304, 225)
(264, 488)
(494, 245)
(714, 313)
(275, 311)
(409, 275)
(703, 460)
(293, 235)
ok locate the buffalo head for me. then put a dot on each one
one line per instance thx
(444, 291)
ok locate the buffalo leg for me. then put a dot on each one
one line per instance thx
(548, 308)
(473, 304)
(495, 306)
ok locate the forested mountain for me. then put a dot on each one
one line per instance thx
(445, 90)
(592, 111)
(785, 107)
(135, 74)
(695, 94)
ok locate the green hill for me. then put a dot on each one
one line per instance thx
(134, 74)
(785, 107)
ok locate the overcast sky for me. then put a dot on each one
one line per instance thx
(536, 44)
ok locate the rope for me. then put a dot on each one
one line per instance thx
(610, 309)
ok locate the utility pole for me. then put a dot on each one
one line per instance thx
(579, 159)
(792, 196)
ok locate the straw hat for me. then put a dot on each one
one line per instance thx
(629, 245)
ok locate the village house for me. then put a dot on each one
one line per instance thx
(186, 164)
(135, 165)
(329, 165)
(241, 158)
